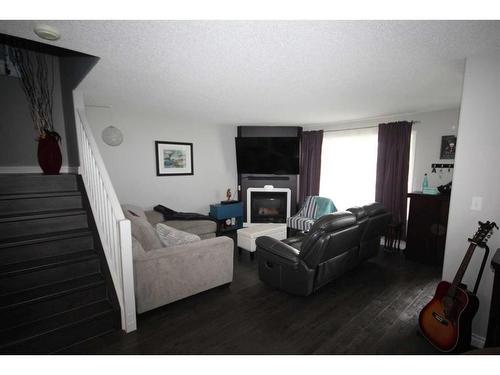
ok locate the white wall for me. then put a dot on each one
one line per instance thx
(132, 164)
(476, 174)
(428, 135)
(426, 139)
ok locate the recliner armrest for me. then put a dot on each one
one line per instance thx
(286, 253)
(295, 242)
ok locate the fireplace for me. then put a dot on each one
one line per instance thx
(268, 205)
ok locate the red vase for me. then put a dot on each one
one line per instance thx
(49, 155)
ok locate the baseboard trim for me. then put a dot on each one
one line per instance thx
(34, 169)
(477, 341)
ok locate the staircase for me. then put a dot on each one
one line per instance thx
(55, 286)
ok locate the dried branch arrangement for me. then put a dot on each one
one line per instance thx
(37, 79)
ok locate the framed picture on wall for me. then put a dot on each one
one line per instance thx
(174, 158)
(448, 146)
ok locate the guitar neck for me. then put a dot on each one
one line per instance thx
(461, 270)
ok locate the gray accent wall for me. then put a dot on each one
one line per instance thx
(17, 135)
(73, 69)
(18, 145)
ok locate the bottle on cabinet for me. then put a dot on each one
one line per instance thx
(425, 183)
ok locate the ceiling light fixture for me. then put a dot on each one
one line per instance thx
(47, 32)
(112, 136)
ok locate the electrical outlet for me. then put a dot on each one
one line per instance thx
(476, 204)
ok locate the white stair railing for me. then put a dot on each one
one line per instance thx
(114, 229)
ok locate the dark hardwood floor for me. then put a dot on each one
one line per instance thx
(371, 310)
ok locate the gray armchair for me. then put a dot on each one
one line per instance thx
(313, 208)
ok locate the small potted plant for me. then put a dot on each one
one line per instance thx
(37, 81)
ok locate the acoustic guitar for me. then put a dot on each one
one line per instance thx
(447, 319)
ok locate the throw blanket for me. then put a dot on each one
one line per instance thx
(324, 206)
(169, 214)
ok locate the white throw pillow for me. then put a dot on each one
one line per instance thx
(171, 237)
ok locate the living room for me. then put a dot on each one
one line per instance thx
(339, 77)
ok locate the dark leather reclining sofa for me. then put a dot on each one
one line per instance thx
(335, 244)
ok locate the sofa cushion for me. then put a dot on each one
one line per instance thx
(142, 230)
(198, 227)
(374, 209)
(154, 217)
(359, 212)
(202, 228)
(171, 237)
(129, 209)
(300, 223)
(334, 222)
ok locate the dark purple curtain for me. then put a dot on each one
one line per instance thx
(392, 169)
(310, 163)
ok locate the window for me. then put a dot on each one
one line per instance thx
(349, 167)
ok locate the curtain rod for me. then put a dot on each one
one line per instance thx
(362, 127)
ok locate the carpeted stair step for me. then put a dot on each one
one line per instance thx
(55, 286)
(46, 300)
(38, 246)
(18, 226)
(37, 183)
(27, 275)
(12, 204)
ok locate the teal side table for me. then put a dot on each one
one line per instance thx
(229, 216)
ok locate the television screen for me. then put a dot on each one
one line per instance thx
(267, 155)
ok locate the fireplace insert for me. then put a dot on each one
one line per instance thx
(268, 207)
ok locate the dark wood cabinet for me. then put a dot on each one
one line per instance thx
(427, 223)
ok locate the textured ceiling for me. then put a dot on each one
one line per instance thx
(282, 72)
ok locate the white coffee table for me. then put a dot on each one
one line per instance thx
(246, 236)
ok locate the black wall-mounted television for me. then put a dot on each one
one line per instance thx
(267, 155)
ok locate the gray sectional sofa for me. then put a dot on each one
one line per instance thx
(166, 274)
